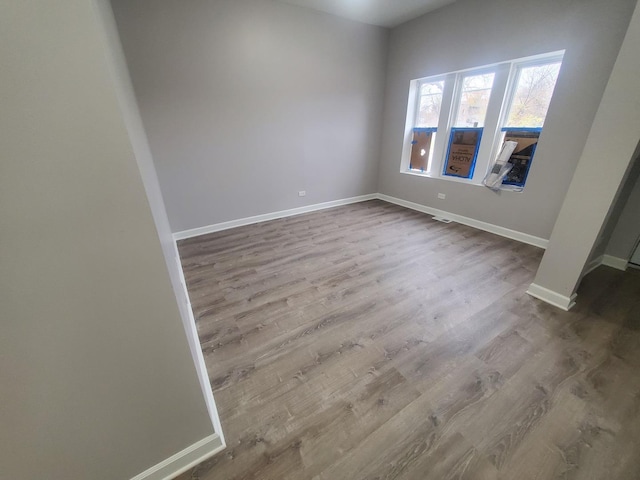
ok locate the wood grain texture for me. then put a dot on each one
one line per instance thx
(371, 342)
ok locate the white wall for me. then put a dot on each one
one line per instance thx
(471, 33)
(97, 378)
(246, 102)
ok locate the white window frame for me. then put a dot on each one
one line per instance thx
(502, 94)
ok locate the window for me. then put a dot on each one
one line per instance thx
(474, 100)
(532, 95)
(457, 122)
(430, 103)
(468, 125)
(424, 132)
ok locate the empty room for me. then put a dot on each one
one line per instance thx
(320, 239)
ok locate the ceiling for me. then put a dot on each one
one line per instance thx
(385, 13)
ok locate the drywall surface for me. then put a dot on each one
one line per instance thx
(626, 233)
(97, 378)
(604, 165)
(131, 115)
(247, 102)
(469, 33)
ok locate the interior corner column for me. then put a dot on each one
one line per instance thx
(608, 152)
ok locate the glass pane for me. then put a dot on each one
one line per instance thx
(533, 95)
(421, 150)
(462, 152)
(474, 99)
(430, 102)
(521, 157)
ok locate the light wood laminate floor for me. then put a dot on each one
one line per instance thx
(371, 342)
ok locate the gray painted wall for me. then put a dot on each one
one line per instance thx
(471, 33)
(137, 135)
(593, 191)
(626, 233)
(97, 378)
(246, 102)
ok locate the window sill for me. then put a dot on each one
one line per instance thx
(465, 181)
(504, 188)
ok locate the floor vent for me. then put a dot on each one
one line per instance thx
(441, 219)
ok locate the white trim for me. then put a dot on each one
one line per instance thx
(183, 460)
(194, 232)
(553, 298)
(615, 262)
(437, 176)
(592, 265)
(471, 222)
(487, 227)
(608, 261)
(198, 357)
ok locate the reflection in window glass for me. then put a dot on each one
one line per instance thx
(430, 102)
(533, 95)
(474, 99)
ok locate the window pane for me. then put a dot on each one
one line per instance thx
(462, 152)
(421, 149)
(430, 102)
(533, 95)
(474, 99)
(521, 157)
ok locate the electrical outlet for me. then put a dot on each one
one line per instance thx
(302, 193)
(442, 196)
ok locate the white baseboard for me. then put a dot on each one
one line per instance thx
(196, 350)
(615, 262)
(607, 260)
(183, 460)
(487, 227)
(194, 232)
(551, 297)
(592, 265)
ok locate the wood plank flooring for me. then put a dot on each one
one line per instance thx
(371, 342)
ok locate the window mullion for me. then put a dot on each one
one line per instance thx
(444, 123)
(489, 144)
(412, 107)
